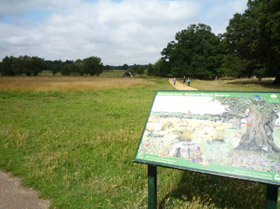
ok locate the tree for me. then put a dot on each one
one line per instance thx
(240, 33)
(196, 52)
(8, 64)
(234, 66)
(17, 65)
(161, 68)
(37, 65)
(107, 67)
(93, 66)
(125, 67)
(23, 64)
(261, 117)
(56, 67)
(131, 72)
(266, 13)
(27, 65)
(79, 66)
(254, 36)
(150, 69)
(140, 71)
(67, 69)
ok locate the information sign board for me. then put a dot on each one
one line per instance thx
(233, 134)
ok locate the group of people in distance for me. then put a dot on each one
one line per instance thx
(184, 81)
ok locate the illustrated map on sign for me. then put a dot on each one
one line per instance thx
(235, 134)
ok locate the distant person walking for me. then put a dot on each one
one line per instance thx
(174, 81)
(184, 81)
(189, 82)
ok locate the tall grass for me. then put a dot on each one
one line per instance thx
(76, 147)
(66, 84)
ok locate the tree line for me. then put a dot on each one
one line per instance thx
(11, 66)
(32, 66)
(249, 47)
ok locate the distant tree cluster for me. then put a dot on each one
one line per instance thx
(11, 66)
(32, 66)
(88, 66)
(249, 47)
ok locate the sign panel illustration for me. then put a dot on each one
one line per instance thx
(234, 134)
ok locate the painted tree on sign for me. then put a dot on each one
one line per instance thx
(261, 118)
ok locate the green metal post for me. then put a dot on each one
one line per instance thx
(152, 187)
(271, 196)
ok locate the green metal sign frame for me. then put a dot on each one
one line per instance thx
(185, 128)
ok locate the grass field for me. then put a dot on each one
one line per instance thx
(67, 84)
(74, 139)
(237, 84)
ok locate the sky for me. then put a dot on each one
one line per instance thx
(118, 31)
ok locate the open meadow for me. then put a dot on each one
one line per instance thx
(74, 139)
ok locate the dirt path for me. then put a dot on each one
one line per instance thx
(14, 196)
(180, 86)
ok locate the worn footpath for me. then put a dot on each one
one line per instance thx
(14, 196)
(180, 86)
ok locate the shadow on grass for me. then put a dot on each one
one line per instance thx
(209, 191)
(263, 83)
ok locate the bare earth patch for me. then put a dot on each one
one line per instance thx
(14, 196)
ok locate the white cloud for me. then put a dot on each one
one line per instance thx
(128, 31)
(220, 12)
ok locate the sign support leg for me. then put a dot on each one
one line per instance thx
(271, 196)
(152, 187)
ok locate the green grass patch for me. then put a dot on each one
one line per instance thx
(236, 85)
(77, 149)
(112, 74)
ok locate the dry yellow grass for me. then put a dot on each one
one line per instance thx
(66, 84)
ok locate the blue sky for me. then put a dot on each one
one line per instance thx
(117, 31)
(32, 16)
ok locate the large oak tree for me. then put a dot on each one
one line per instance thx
(196, 52)
(254, 37)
